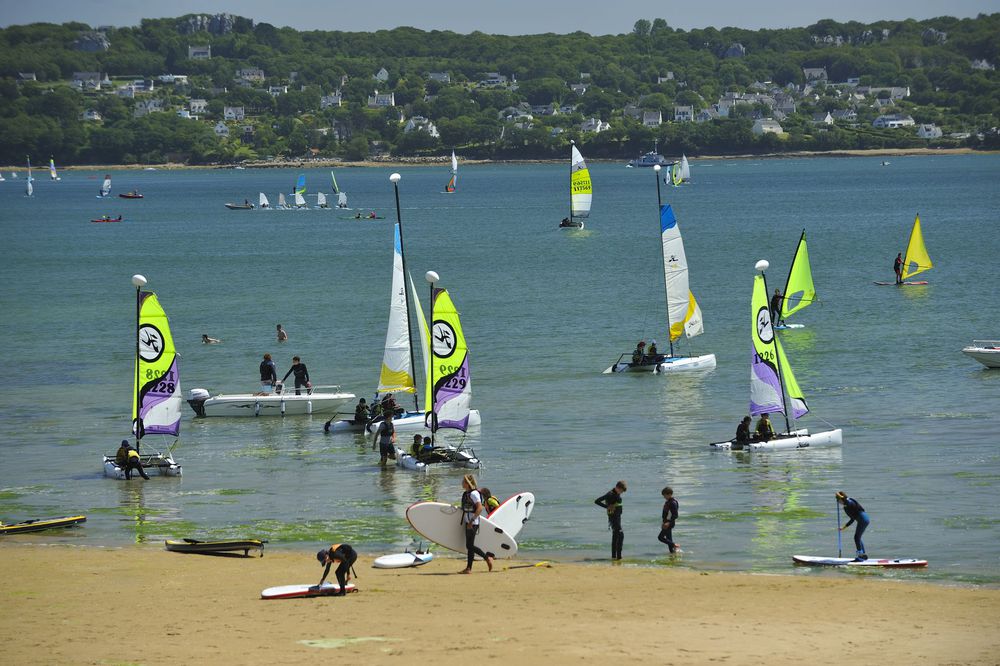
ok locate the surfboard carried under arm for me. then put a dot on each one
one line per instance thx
(900, 562)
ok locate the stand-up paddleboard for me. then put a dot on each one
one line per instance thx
(302, 591)
(513, 513)
(402, 560)
(216, 547)
(441, 523)
(39, 524)
(810, 560)
(911, 283)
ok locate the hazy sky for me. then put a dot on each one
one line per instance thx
(513, 17)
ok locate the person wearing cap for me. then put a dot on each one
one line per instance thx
(611, 501)
(345, 556)
(640, 351)
(856, 513)
(472, 507)
(128, 459)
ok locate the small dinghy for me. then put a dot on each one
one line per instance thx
(216, 547)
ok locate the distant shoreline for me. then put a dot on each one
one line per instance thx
(430, 161)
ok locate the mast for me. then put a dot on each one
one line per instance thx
(571, 143)
(666, 295)
(406, 296)
(762, 266)
(431, 278)
(139, 281)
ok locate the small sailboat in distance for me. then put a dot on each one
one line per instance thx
(580, 191)
(52, 170)
(341, 195)
(321, 200)
(450, 187)
(105, 187)
(800, 291)
(29, 189)
(282, 204)
(263, 202)
(915, 259)
(685, 169)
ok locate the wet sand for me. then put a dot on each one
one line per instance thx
(143, 605)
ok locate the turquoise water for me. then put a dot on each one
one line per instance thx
(545, 311)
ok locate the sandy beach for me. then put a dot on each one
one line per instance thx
(143, 605)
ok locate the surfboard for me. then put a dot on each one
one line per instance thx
(440, 523)
(303, 591)
(782, 327)
(402, 560)
(810, 560)
(513, 513)
(210, 547)
(39, 524)
(904, 284)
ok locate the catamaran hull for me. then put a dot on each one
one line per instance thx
(409, 421)
(151, 463)
(668, 364)
(460, 458)
(797, 440)
(285, 404)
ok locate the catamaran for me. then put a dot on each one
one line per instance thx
(156, 391)
(29, 189)
(773, 387)
(341, 196)
(52, 170)
(800, 291)
(105, 187)
(450, 187)
(683, 314)
(580, 192)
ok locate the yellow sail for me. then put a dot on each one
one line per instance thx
(799, 289)
(916, 259)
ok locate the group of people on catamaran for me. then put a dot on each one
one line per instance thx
(641, 355)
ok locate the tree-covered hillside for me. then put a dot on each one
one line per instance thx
(154, 92)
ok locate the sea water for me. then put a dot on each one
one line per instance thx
(544, 311)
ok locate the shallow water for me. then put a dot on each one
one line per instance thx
(545, 311)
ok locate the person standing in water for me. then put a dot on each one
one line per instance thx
(282, 335)
(897, 267)
(472, 507)
(386, 437)
(668, 519)
(345, 556)
(856, 513)
(611, 502)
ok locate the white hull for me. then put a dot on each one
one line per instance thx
(799, 439)
(461, 458)
(986, 352)
(409, 422)
(284, 404)
(668, 364)
(152, 463)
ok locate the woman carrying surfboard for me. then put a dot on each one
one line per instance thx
(472, 506)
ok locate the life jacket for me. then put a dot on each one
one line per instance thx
(387, 429)
(133, 454)
(468, 507)
(492, 503)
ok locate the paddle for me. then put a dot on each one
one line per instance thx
(839, 549)
(546, 564)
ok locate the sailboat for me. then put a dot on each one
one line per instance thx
(300, 201)
(683, 314)
(282, 205)
(675, 174)
(580, 192)
(29, 189)
(300, 192)
(263, 202)
(915, 260)
(450, 187)
(321, 200)
(341, 196)
(685, 169)
(52, 170)
(156, 390)
(773, 387)
(799, 289)
(105, 187)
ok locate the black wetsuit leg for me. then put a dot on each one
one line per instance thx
(617, 535)
(471, 548)
(350, 556)
(666, 537)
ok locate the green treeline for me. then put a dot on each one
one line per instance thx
(732, 77)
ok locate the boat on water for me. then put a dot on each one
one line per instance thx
(580, 192)
(134, 194)
(108, 218)
(300, 202)
(105, 190)
(39, 524)
(341, 195)
(299, 192)
(263, 202)
(156, 389)
(282, 204)
(650, 159)
(321, 200)
(800, 291)
(29, 188)
(685, 169)
(986, 352)
(915, 260)
(246, 205)
(325, 399)
(449, 188)
(684, 317)
(773, 387)
(53, 175)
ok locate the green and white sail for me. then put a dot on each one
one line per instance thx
(683, 313)
(771, 377)
(799, 289)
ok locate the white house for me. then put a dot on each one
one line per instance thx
(594, 125)
(184, 113)
(91, 114)
(200, 52)
(333, 99)
(128, 92)
(197, 105)
(381, 100)
(176, 79)
(814, 73)
(221, 129)
(763, 125)
(822, 118)
(274, 91)
(146, 106)
(652, 118)
(382, 75)
(237, 113)
(664, 79)
(929, 131)
(893, 121)
(683, 114)
(420, 124)
(440, 77)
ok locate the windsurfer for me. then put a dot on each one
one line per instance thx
(897, 267)
(776, 307)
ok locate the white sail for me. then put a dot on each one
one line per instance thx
(454, 163)
(580, 187)
(321, 200)
(685, 169)
(397, 373)
(29, 189)
(264, 203)
(106, 186)
(281, 200)
(683, 313)
(342, 199)
(300, 201)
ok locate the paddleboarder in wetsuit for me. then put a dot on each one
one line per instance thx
(611, 501)
(668, 518)
(344, 556)
(855, 512)
(897, 267)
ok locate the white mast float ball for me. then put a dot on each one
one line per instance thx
(762, 265)
(395, 177)
(431, 277)
(139, 280)
(656, 167)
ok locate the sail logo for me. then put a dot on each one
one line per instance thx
(443, 339)
(150, 343)
(765, 331)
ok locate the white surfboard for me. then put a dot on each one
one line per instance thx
(300, 591)
(849, 562)
(513, 513)
(440, 523)
(402, 560)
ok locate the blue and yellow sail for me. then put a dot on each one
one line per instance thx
(683, 314)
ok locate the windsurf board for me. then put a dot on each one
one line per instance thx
(810, 560)
(402, 560)
(302, 591)
(513, 513)
(782, 327)
(441, 523)
(904, 284)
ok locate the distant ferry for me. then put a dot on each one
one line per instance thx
(650, 159)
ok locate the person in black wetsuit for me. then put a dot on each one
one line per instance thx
(301, 376)
(345, 556)
(897, 267)
(472, 507)
(128, 459)
(268, 375)
(742, 434)
(776, 307)
(611, 501)
(668, 518)
(855, 512)
(385, 435)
